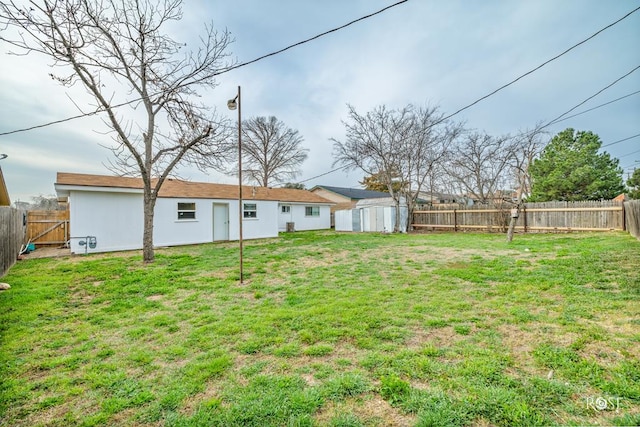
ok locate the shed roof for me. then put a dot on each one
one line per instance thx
(354, 193)
(175, 188)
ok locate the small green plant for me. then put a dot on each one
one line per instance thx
(393, 389)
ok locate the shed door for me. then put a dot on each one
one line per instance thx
(220, 221)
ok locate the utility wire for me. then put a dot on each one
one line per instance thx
(541, 65)
(596, 107)
(326, 173)
(226, 70)
(557, 119)
(620, 140)
(243, 64)
(628, 154)
(589, 98)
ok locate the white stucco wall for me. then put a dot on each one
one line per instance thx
(265, 225)
(115, 219)
(303, 222)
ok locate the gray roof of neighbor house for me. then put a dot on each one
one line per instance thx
(354, 193)
(173, 188)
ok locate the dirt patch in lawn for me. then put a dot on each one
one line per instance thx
(370, 409)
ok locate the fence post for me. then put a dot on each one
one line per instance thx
(455, 220)
(524, 213)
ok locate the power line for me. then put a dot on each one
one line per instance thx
(344, 26)
(628, 154)
(541, 65)
(589, 98)
(621, 140)
(597, 106)
(243, 64)
(326, 173)
(226, 70)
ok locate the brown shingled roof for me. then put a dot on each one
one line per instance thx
(173, 188)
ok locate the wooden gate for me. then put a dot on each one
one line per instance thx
(48, 228)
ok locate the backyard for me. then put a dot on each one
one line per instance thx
(329, 329)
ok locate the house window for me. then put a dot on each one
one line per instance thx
(286, 209)
(186, 211)
(312, 210)
(250, 210)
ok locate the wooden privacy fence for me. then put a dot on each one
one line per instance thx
(540, 217)
(12, 231)
(632, 217)
(48, 228)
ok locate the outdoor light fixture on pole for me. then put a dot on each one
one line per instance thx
(233, 104)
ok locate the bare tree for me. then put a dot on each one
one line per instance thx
(424, 150)
(144, 80)
(45, 203)
(524, 149)
(478, 167)
(271, 152)
(400, 147)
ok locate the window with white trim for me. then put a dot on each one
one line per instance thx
(250, 210)
(286, 209)
(186, 210)
(312, 210)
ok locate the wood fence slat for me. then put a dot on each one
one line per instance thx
(12, 232)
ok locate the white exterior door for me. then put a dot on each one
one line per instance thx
(220, 221)
(284, 217)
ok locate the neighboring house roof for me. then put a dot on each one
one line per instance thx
(173, 188)
(4, 193)
(353, 193)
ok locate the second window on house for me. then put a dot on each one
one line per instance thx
(312, 210)
(186, 211)
(250, 210)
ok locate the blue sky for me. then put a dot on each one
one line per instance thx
(445, 53)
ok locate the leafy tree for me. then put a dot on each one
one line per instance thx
(144, 81)
(570, 168)
(634, 184)
(271, 152)
(375, 182)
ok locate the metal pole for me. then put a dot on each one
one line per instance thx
(240, 206)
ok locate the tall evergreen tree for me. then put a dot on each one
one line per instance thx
(570, 168)
(634, 184)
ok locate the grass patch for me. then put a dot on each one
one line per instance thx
(339, 329)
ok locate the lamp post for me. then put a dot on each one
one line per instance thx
(233, 104)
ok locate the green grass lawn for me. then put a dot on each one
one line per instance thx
(329, 329)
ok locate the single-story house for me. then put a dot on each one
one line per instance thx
(372, 215)
(107, 211)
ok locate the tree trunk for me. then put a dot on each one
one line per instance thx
(512, 225)
(148, 254)
(396, 226)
